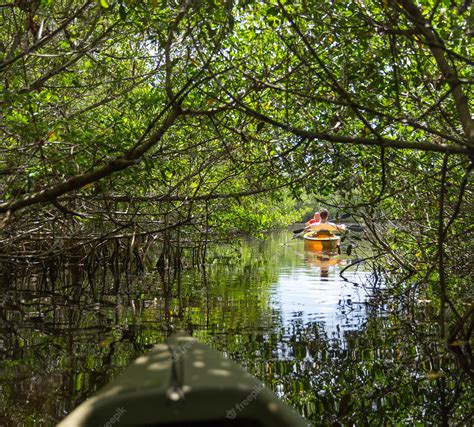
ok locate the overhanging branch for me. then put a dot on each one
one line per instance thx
(437, 49)
(116, 164)
(343, 139)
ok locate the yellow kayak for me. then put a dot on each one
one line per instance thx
(320, 242)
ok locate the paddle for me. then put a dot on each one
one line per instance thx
(298, 231)
(354, 227)
(350, 227)
(345, 215)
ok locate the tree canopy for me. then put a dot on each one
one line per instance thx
(185, 122)
(161, 115)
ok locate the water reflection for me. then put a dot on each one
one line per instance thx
(286, 315)
(312, 292)
(323, 261)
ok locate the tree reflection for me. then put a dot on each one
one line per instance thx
(61, 343)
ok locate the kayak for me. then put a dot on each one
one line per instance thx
(322, 243)
(184, 383)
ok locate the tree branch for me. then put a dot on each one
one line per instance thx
(46, 38)
(342, 139)
(436, 45)
(116, 164)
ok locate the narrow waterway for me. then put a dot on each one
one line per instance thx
(306, 325)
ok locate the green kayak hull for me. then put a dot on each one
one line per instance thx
(184, 383)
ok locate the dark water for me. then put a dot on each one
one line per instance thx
(323, 342)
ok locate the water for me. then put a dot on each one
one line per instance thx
(335, 305)
(288, 316)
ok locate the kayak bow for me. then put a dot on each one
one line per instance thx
(184, 383)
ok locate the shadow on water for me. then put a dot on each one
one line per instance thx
(327, 344)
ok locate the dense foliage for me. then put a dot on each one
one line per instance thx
(189, 121)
